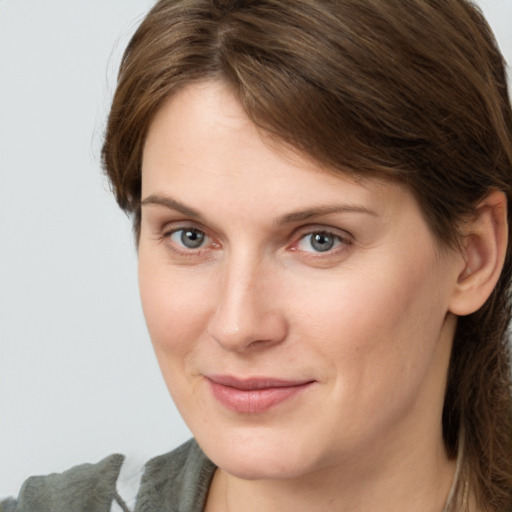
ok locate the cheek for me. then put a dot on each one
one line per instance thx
(175, 309)
(377, 324)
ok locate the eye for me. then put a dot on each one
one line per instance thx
(189, 238)
(320, 241)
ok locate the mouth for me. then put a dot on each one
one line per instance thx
(254, 395)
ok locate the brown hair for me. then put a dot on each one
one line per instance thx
(413, 91)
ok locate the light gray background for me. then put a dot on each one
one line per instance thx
(78, 379)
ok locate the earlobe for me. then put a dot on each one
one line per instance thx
(484, 248)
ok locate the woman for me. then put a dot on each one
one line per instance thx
(320, 199)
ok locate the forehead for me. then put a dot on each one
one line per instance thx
(202, 146)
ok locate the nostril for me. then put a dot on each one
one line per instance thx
(250, 332)
(246, 315)
(257, 344)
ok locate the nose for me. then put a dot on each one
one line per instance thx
(247, 315)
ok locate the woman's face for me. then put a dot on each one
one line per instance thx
(300, 318)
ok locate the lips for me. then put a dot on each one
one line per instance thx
(254, 395)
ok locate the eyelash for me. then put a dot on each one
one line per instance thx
(340, 242)
(183, 250)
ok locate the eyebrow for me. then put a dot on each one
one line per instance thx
(320, 211)
(171, 204)
(298, 216)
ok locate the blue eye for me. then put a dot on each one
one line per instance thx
(321, 241)
(189, 238)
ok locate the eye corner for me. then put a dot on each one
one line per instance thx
(185, 240)
(333, 246)
(319, 241)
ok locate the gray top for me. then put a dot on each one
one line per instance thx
(175, 482)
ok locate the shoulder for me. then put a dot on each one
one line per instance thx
(87, 488)
(178, 480)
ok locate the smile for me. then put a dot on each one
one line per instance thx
(252, 396)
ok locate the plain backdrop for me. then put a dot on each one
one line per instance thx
(78, 379)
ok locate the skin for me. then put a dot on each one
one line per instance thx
(368, 322)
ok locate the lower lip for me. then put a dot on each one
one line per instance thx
(254, 401)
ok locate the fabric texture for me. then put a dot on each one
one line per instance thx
(128, 484)
(175, 482)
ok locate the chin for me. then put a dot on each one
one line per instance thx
(257, 455)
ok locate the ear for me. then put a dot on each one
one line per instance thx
(484, 246)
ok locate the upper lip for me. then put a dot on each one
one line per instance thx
(255, 383)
